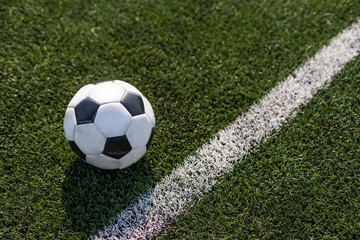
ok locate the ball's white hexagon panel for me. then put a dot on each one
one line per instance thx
(128, 87)
(113, 119)
(89, 139)
(102, 161)
(139, 131)
(106, 92)
(80, 95)
(132, 157)
(148, 110)
(69, 124)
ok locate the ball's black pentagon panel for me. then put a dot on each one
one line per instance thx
(117, 147)
(85, 111)
(133, 103)
(150, 138)
(77, 150)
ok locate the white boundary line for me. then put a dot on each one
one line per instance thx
(199, 172)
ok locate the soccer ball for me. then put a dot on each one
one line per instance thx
(109, 124)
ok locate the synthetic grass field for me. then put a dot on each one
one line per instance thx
(200, 64)
(302, 184)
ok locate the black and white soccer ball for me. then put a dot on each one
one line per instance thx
(109, 124)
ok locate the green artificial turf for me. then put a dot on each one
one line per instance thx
(200, 63)
(302, 184)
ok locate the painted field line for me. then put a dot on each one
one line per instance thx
(176, 192)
